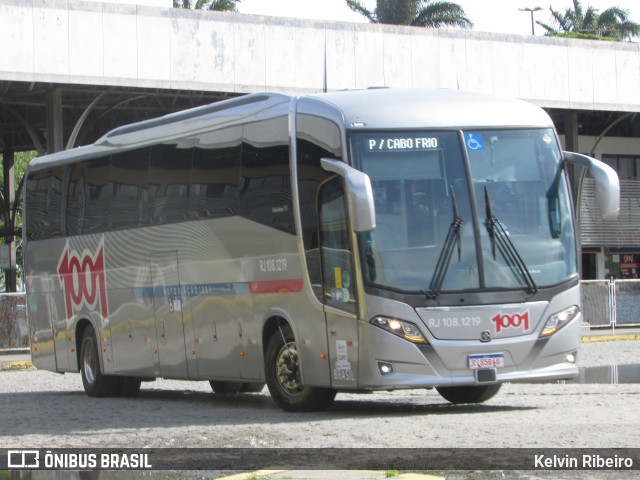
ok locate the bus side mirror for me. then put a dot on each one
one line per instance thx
(359, 194)
(607, 183)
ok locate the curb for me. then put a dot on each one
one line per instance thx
(18, 365)
(302, 474)
(15, 351)
(252, 475)
(609, 338)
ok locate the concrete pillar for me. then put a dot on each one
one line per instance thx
(571, 145)
(8, 156)
(54, 129)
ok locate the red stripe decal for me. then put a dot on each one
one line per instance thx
(276, 286)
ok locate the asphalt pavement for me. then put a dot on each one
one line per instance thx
(13, 359)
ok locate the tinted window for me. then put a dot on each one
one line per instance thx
(316, 138)
(129, 183)
(44, 201)
(265, 183)
(75, 199)
(215, 178)
(169, 179)
(98, 195)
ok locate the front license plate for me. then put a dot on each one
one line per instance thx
(489, 360)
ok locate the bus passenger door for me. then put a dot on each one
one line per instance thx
(168, 306)
(338, 284)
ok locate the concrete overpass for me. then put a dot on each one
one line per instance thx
(78, 42)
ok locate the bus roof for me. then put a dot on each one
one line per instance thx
(370, 108)
(173, 126)
(434, 108)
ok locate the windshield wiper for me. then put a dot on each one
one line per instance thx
(452, 239)
(500, 238)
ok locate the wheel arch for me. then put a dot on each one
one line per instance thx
(271, 325)
(81, 326)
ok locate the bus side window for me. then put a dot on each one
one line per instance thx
(170, 173)
(215, 177)
(98, 195)
(75, 200)
(44, 194)
(337, 261)
(316, 138)
(129, 178)
(265, 180)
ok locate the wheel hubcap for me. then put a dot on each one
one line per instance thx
(89, 363)
(288, 369)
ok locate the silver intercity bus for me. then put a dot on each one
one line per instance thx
(352, 241)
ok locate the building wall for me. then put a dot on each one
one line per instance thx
(90, 42)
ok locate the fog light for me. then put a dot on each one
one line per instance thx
(571, 357)
(385, 368)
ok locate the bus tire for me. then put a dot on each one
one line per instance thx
(95, 383)
(282, 370)
(469, 394)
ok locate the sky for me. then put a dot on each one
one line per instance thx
(502, 16)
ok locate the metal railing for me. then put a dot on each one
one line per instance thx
(14, 330)
(611, 302)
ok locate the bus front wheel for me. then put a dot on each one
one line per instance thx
(284, 381)
(95, 383)
(469, 394)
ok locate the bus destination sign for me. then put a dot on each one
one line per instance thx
(394, 144)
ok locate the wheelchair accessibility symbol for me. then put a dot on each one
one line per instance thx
(474, 141)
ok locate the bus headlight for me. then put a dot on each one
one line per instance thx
(559, 320)
(401, 328)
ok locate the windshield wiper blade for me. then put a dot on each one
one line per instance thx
(500, 238)
(452, 240)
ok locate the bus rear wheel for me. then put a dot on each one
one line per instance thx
(95, 383)
(469, 394)
(284, 381)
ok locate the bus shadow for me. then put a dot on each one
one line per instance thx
(72, 412)
(366, 408)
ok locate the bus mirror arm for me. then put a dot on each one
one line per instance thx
(359, 194)
(607, 183)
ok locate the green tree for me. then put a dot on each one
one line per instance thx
(218, 5)
(417, 13)
(11, 217)
(612, 24)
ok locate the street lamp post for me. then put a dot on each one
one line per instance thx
(531, 10)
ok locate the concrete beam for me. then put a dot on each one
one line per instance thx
(75, 41)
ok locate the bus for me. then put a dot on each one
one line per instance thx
(353, 241)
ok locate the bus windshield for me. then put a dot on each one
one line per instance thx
(502, 220)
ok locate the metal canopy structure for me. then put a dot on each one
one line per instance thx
(48, 117)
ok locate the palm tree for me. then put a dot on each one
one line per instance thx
(219, 5)
(612, 23)
(418, 13)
